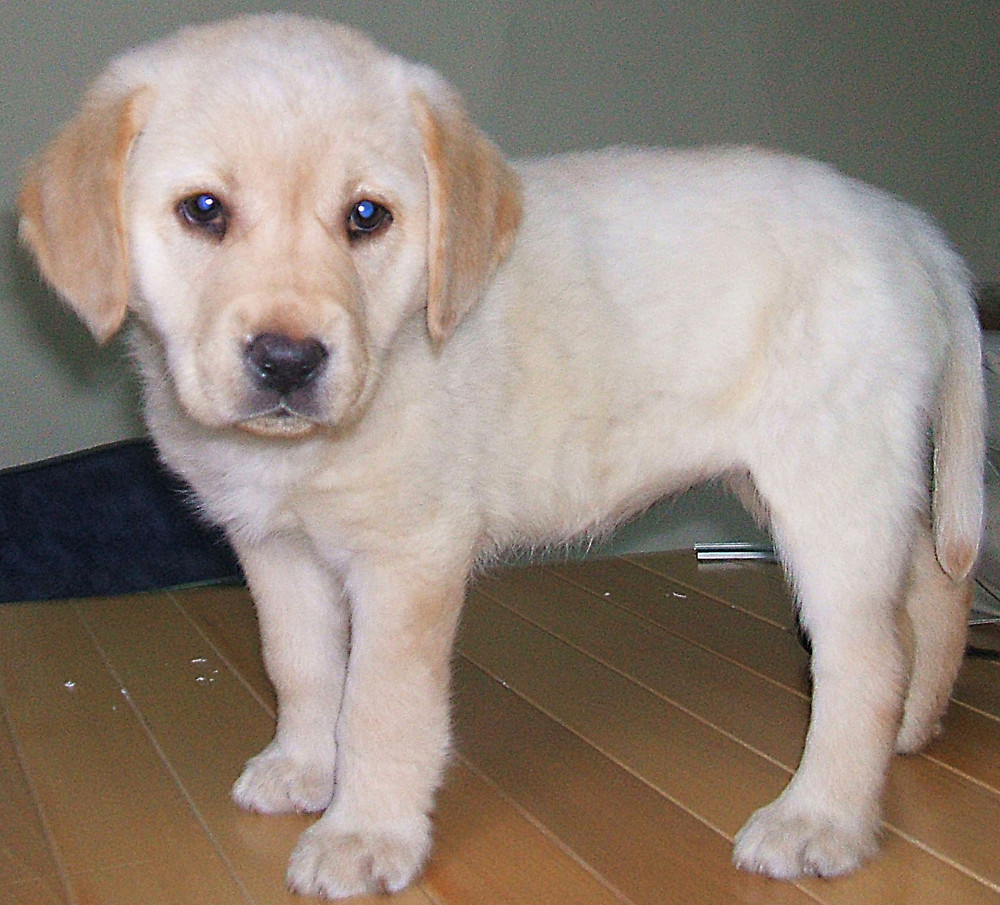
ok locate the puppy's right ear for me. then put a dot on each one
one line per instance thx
(71, 205)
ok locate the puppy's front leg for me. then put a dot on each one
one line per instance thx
(303, 620)
(393, 734)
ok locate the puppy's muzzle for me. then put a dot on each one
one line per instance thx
(284, 374)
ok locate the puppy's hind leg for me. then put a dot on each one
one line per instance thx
(933, 625)
(843, 528)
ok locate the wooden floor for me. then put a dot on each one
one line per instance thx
(617, 721)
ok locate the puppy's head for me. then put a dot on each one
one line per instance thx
(273, 198)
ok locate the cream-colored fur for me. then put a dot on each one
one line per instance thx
(523, 354)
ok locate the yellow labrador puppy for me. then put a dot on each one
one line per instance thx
(380, 353)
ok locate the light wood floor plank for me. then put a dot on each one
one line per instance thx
(969, 745)
(486, 852)
(951, 816)
(735, 700)
(30, 892)
(25, 855)
(758, 587)
(205, 723)
(110, 803)
(767, 648)
(634, 838)
(626, 722)
(226, 618)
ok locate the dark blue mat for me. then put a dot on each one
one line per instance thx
(105, 521)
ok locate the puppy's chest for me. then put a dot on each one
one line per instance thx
(334, 509)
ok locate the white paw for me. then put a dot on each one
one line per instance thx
(914, 736)
(786, 842)
(332, 862)
(274, 783)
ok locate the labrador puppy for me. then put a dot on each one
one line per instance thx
(381, 354)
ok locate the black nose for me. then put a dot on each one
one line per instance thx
(283, 364)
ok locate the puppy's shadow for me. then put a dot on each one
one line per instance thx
(59, 337)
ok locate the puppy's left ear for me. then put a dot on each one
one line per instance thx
(474, 211)
(72, 208)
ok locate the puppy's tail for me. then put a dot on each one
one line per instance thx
(958, 423)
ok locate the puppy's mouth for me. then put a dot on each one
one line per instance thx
(279, 421)
(284, 376)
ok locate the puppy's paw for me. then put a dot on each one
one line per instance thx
(274, 783)
(914, 735)
(784, 842)
(336, 863)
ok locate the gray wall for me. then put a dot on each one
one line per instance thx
(905, 95)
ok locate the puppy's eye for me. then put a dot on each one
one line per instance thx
(206, 212)
(367, 217)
